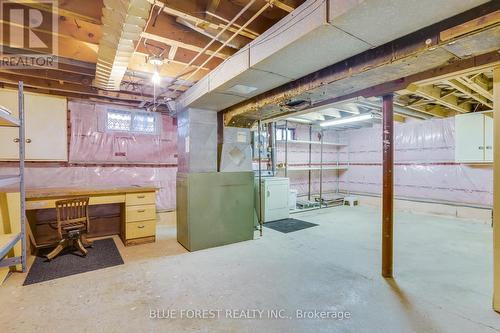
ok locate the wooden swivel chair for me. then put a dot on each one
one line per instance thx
(72, 225)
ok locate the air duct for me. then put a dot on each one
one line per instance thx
(123, 22)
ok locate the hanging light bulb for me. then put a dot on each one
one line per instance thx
(156, 77)
(156, 61)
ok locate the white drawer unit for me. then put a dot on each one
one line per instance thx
(474, 138)
(275, 196)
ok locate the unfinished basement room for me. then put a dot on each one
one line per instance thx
(247, 166)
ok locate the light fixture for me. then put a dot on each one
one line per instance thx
(156, 61)
(314, 116)
(298, 120)
(156, 77)
(346, 120)
(332, 112)
(241, 89)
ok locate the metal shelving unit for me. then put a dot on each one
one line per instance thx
(9, 240)
(338, 167)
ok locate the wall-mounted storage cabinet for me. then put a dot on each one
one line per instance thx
(474, 138)
(46, 127)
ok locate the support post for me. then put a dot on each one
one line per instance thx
(321, 171)
(496, 189)
(387, 190)
(22, 190)
(286, 148)
(310, 161)
(259, 147)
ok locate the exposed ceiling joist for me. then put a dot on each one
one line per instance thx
(479, 84)
(196, 12)
(54, 75)
(283, 6)
(244, 32)
(76, 9)
(470, 26)
(432, 110)
(464, 89)
(46, 84)
(236, 44)
(167, 31)
(436, 94)
(178, 44)
(212, 6)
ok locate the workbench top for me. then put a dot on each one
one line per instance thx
(54, 192)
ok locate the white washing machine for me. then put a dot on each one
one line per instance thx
(275, 196)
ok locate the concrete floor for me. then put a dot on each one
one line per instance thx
(443, 270)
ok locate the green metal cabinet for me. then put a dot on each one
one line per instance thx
(214, 208)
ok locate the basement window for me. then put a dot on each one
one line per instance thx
(132, 121)
(281, 134)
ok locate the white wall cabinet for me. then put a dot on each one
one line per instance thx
(46, 127)
(474, 138)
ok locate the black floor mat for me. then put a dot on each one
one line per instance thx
(289, 225)
(103, 253)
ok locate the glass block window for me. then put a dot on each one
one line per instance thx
(132, 121)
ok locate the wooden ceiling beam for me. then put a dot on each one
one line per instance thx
(260, 24)
(177, 43)
(56, 86)
(283, 6)
(398, 117)
(435, 94)
(171, 69)
(50, 74)
(182, 56)
(166, 30)
(195, 12)
(212, 6)
(235, 27)
(478, 83)
(433, 110)
(75, 9)
(459, 86)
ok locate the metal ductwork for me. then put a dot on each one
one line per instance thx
(123, 22)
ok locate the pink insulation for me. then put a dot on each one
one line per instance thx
(105, 159)
(104, 177)
(91, 143)
(425, 165)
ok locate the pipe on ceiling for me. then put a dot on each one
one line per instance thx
(213, 40)
(257, 14)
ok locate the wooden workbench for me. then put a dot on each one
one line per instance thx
(132, 209)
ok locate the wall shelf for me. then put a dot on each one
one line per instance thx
(7, 120)
(7, 180)
(9, 240)
(313, 142)
(327, 167)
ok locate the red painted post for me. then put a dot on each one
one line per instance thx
(388, 186)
